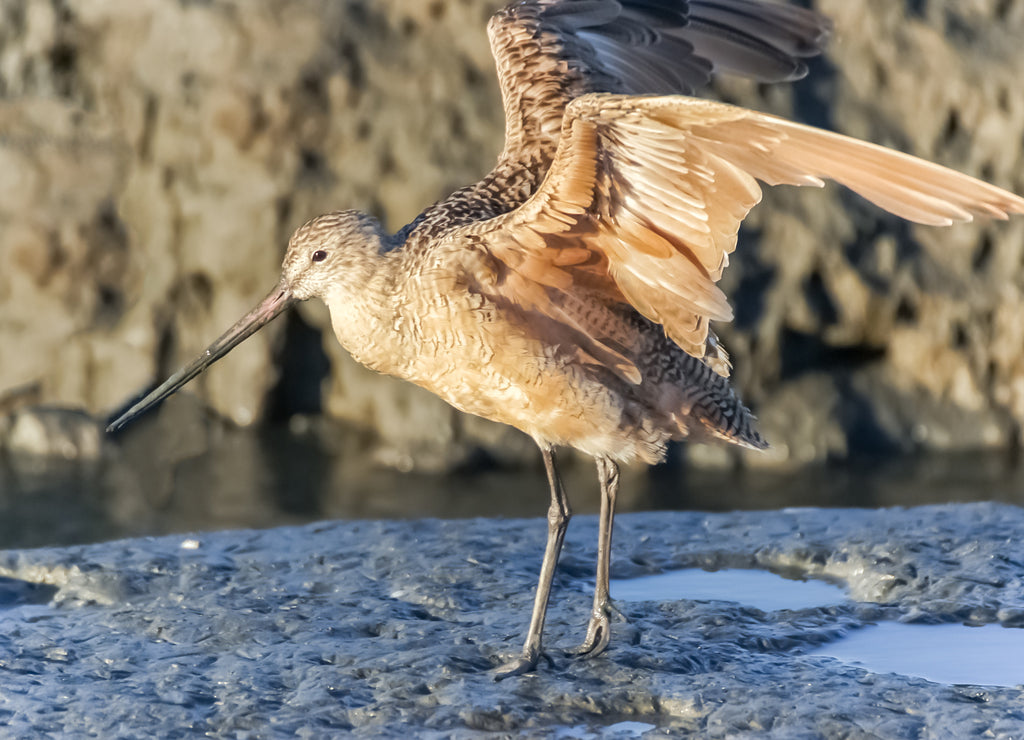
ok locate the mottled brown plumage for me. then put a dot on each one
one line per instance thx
(569, 293)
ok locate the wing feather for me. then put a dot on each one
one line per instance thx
(645, 196)
(549, 52)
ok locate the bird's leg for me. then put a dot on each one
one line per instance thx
(598, 629)
(558, 521)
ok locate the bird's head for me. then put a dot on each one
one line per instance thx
(330, 254)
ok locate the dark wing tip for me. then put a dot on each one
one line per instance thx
(764, 41)
(672, 46)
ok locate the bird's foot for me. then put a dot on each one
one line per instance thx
(598, 636)
(525, 663)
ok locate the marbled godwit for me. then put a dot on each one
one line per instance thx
(569, 293)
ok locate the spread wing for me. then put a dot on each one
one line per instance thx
(549, 52)
(644, 198)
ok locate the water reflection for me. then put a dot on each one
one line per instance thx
(944, 653)
(991, 655)
(160, 480)
(619, 730)
(758, 588)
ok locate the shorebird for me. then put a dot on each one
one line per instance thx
(570, 292)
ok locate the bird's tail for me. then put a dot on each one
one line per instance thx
(712, 408)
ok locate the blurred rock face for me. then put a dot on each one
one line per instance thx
(155, 156)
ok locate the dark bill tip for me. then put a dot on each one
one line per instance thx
(269, 309)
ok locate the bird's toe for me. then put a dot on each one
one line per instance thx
(525, 663)
(598, 636)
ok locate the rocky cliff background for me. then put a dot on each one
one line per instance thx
(155, 155)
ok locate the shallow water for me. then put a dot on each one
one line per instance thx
(623, 730)
(989, 655)
(151, 483)
(758, 588)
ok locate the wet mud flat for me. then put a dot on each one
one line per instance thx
(389, 628)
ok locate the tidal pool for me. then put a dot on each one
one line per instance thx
(758, 588)
(991, 655)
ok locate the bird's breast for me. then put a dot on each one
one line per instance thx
(491, 361)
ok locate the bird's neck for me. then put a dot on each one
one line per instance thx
(361, 308)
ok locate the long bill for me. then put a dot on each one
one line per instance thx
(269, 308)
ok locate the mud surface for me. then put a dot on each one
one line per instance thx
(393, 628)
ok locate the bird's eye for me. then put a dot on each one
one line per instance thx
(319, 255)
